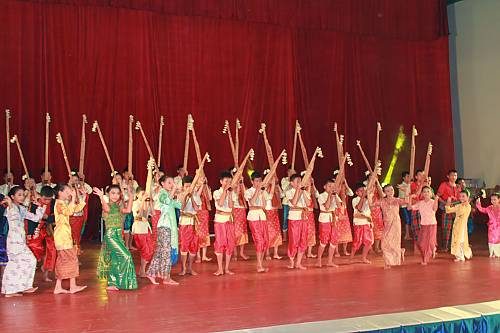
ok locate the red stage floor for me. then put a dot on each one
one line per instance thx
(247, 299)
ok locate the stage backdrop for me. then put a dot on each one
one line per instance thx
(354, 62)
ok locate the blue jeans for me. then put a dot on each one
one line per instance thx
(286, 209)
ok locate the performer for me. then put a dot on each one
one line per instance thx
(181, 172)
(202, 232)
(447, 189)
(273, 221)
(223, 225)
(328, 232)
(167, 243)
(343, 221)
(377, 221)
(392, 252)
(115, 261)
(256, 198)
(459, 239)
(427, 234)
(404, 193)
(41, 234)
(45, 179)
(297, 221)
(8, 183)
(4, 229)
(240, 221)
(311, 223)
(493, 212)
(188, 223)
(363, 228)
(20, 270)
(285, 186)
(78, 219)
(66, 260)
(141, 230)
(415, 193)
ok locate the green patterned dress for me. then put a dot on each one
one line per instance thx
(115, 261)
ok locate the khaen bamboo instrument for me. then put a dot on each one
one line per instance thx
(428, 161)
(270, 175)
(46, 164)
(96, 128)
(295, 136)
(310, 166)
(199, 173)
(138, 126)
(130, 143)
(15, 140)
(59, 140)
(160, 139)
(239, 172)
(186, 145)
(377, 144)
(7, 132)
(83, 142)
(414, 133)
(340, 141)
(227, 130)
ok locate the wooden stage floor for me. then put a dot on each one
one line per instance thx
(207, 303)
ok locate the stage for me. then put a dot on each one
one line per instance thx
(249, 300)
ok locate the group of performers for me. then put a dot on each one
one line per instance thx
(168, 219)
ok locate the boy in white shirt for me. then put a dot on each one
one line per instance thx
(328, 233)
(363, 227)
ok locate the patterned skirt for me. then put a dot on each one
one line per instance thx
(115, 261)
(67, 264)
(378, 222)
(161, 264)
(202, 230)
(19, 271)
(311, 229)
(240, 226)
(273, 228)
(343, 227)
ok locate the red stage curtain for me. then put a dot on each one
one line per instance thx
(351, 61)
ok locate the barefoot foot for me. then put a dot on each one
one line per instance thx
(77, 289)
(152, 279)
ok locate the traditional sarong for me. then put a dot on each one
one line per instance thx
(224, 238)
(378, 222)
(427, 241)
(202, 230)
(328, 234)
(273, 228)
(343, 226)
(311, 229)
(188, 239)
(76, 223)
(415, 224)
(127, 222)
(144, 245)
(260, 235)
(447, 227)
(297, 236)
(115, 261)
(240, 226)
(67, 264)
(161, 264)
(363, 235)
(391, 237)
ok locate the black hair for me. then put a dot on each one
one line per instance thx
(225, 174)
(255, 175)
(14, 190)
(330, 180)
(466, 192)
(47, 191)
(427, 188)
(295, 176)
(495, 194)
(43, 171)
(418, 171)
(459, 180)
(113, 186)
(404, 174)
(74, 173)
(452, 171)
(59, 188)
(386, 186)
(180, 166)
(187, 180)
(358, 186)
(125, 169)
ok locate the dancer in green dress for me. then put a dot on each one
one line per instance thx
(115, 261)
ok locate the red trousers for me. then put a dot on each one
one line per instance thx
(328, 233)
(188, 239)
(260, 235)
(144, 244)
(297, 237)
(363, 235)
(38, 248)
(224, 238)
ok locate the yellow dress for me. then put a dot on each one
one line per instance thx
(62, 231)
(459, 235)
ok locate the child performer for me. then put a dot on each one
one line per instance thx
(415, 192)
(363, 228)
(273, 220)
(8, 183)
(459, 238)
(493, 212)
(427, 234)
(203, 214)
(188, 222)
(4, 229)
(298, 201)
(20, 269)
(45, 180)
(311, 223)
(377, 221)
(404, 193)
(167, 243)
(115, 261)
(392, 252)
(256, 197)
(141, 230)
(77, 220)
(155, 216)
(223, 225)
(328, 232)
(240, 221)
(343, 222)
(67, 259)
(285, 186)
(446, 190)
